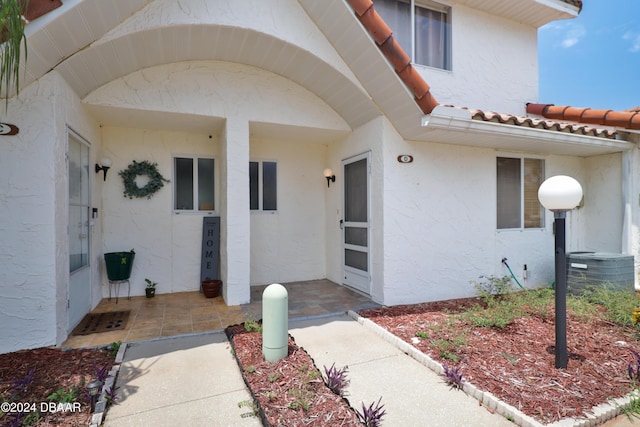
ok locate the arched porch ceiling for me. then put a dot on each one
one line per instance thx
(100, 63)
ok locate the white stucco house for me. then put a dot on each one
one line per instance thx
(244, 104)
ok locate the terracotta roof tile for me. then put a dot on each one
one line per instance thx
(37, 8)
(530, 122)
(628, 119)
(360, 6)
(401, 62)
(395, 54)
(577, 3)
(378, 29)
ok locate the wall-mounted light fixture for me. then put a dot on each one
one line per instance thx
(328, 173)
(106, 164)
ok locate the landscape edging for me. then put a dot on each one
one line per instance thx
(101, 405)
(601, 413)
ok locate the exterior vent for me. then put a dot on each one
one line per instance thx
(587, 269)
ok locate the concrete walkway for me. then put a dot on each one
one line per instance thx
(412, 394)
(181, 381)
(195, 380)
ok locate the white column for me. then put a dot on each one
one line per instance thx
(235, 221)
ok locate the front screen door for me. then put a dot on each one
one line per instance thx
(356, 254)
(79, 297)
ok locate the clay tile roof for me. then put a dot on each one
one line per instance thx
(397, 57)
(577, 3)
(37, 8)
(530, 122)
(628, 119)
(401, 62)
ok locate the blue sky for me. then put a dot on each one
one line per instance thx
(593, 60)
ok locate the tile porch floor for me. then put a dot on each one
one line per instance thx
(190, 312)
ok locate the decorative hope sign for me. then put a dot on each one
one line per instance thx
(210, 248)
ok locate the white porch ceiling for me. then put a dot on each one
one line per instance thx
(68, 29)
(68, 41)
(531, 12)
(148, 119)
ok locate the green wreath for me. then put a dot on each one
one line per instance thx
(131, 189)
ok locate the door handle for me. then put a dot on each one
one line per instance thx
(341, 221)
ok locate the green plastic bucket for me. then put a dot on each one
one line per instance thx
(119, 265)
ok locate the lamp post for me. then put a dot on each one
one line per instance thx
(93, 389)
(560, 194)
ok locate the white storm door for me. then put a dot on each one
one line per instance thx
(356, 223)
(79, 290)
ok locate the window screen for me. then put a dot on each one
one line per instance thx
(518, 181)
(194, 180)
(263, 186)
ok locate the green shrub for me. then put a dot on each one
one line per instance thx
(252, 326)
(535, 302)
(491, 286)
(618, 304)
(497, 314)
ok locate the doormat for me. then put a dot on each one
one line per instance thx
(94, 323)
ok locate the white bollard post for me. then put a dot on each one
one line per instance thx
(275, 322)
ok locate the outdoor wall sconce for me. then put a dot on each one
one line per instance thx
(560, 194)
(106, 164)
(328, 173)
(93, 388)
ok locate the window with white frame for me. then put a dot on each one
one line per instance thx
(518, 180)
(263, 188)
(421, 27)
(193, 184)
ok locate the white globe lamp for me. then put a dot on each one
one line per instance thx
(560, 193)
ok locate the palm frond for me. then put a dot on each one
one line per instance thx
(12, 24)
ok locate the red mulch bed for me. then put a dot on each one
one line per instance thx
(517, 363)
(53, 370)
(291, 391)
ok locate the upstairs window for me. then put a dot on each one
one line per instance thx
(263, 188)
(194, 184)
(518, 181)
(421, 27)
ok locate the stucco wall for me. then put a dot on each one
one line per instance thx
(603, 204)
(218, 89)
(27, 229)
(33, 213)
(289, 244)
(167, 245)
(282, 19)
(440, 225)
(497, 71)
(631, 225)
